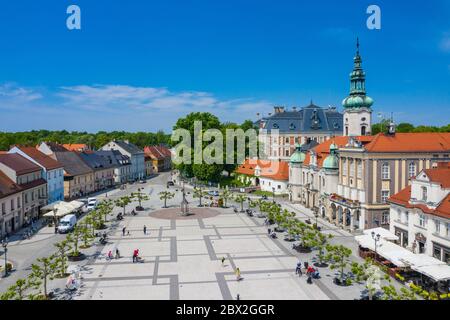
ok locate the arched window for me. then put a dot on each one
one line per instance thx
(363, 130)
(412, 169)
(385, 171)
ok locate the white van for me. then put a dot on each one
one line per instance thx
(92, 204)
(67, 223)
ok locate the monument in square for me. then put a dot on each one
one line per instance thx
(184, 204)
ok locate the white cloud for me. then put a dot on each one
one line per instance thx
(123, 106)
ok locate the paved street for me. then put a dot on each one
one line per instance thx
(182, 256)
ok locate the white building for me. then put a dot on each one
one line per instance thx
(137, 156)
(420, 213)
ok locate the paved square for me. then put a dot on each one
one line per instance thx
(182, 260)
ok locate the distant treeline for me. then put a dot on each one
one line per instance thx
(408, 127)
(94, 140)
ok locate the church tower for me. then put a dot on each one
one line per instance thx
(357, 106)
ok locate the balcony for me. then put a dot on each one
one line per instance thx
(344, 201)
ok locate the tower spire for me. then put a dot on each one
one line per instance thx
(357, 46)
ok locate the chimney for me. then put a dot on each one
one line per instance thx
(278, 109)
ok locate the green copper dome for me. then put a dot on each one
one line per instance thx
(298, 156)
(332, 161)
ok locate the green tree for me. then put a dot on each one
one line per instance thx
(405, 128)
(166, 195)
(62, 249)
(200, 194)
(139, 196)
(105, 208)
(320, 242)
(44, 271)
(226, 195)
(74, 239)
(240, 199)
(17, 291)
(339, 257)
(123, 202)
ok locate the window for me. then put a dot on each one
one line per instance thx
(287, 153)
(424, 194)
(384, 196)
(12, 204)
(437, 225)
(412, 170)
(3, 208)
(406, 217)
(422, 220)
(363, 130)
(447, 230)
(18, 202)
(344, 167)
(352, 168)
(385, 171)
(287, 140)
(360, 169)
(385, 218)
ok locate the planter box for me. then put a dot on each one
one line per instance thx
(80, 257)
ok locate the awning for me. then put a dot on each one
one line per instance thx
(51, 206)
(64, 208)
(384, 234)
(436, 272)
(401, 257)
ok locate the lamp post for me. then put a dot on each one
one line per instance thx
(377, 239)
(316, 215)
(273, 194)
(5, 250)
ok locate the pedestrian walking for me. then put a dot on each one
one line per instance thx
(298, 268)
(128, 233)
(134, 255)
(238, 274)
(145, 229)
(223, 261)
(269, 231)
(110, 256)
(123, 231)
(238, 297)
(306, 264)
(117, 254)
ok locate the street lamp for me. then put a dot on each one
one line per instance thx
(273, 194)
(5, 250)
(316, 215)
(377, 239)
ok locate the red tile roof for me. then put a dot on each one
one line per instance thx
(18, 163)
(41, 158)
(410, 142)
(323, 149)
(276, 170)
(76, 146)
(158, 152)
(440, 175)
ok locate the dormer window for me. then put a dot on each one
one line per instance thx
(292, 126)
(424, 194)
(276, 126)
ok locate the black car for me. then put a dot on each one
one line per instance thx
(170, 184)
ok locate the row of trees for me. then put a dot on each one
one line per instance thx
(94, 140)
(408, 127)
(338, 257)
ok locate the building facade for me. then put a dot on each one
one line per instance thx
(420, 213)
(280, 132)
(29, 177)
(53, 171)
(135, 154)
(372, 170)
(103, 170)
(11, 213)
(122, 164)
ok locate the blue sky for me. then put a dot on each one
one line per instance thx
(139, 65)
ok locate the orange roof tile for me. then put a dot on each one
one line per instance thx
(440, 175)
(76, 146)
(410, 142)
(276, 170)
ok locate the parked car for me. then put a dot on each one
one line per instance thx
(67, 223)
(92, 204)
(170, 183)
(213, 193)
(142, 181)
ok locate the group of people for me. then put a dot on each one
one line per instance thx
(271, 233)
(311, 272)
(110, 254)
